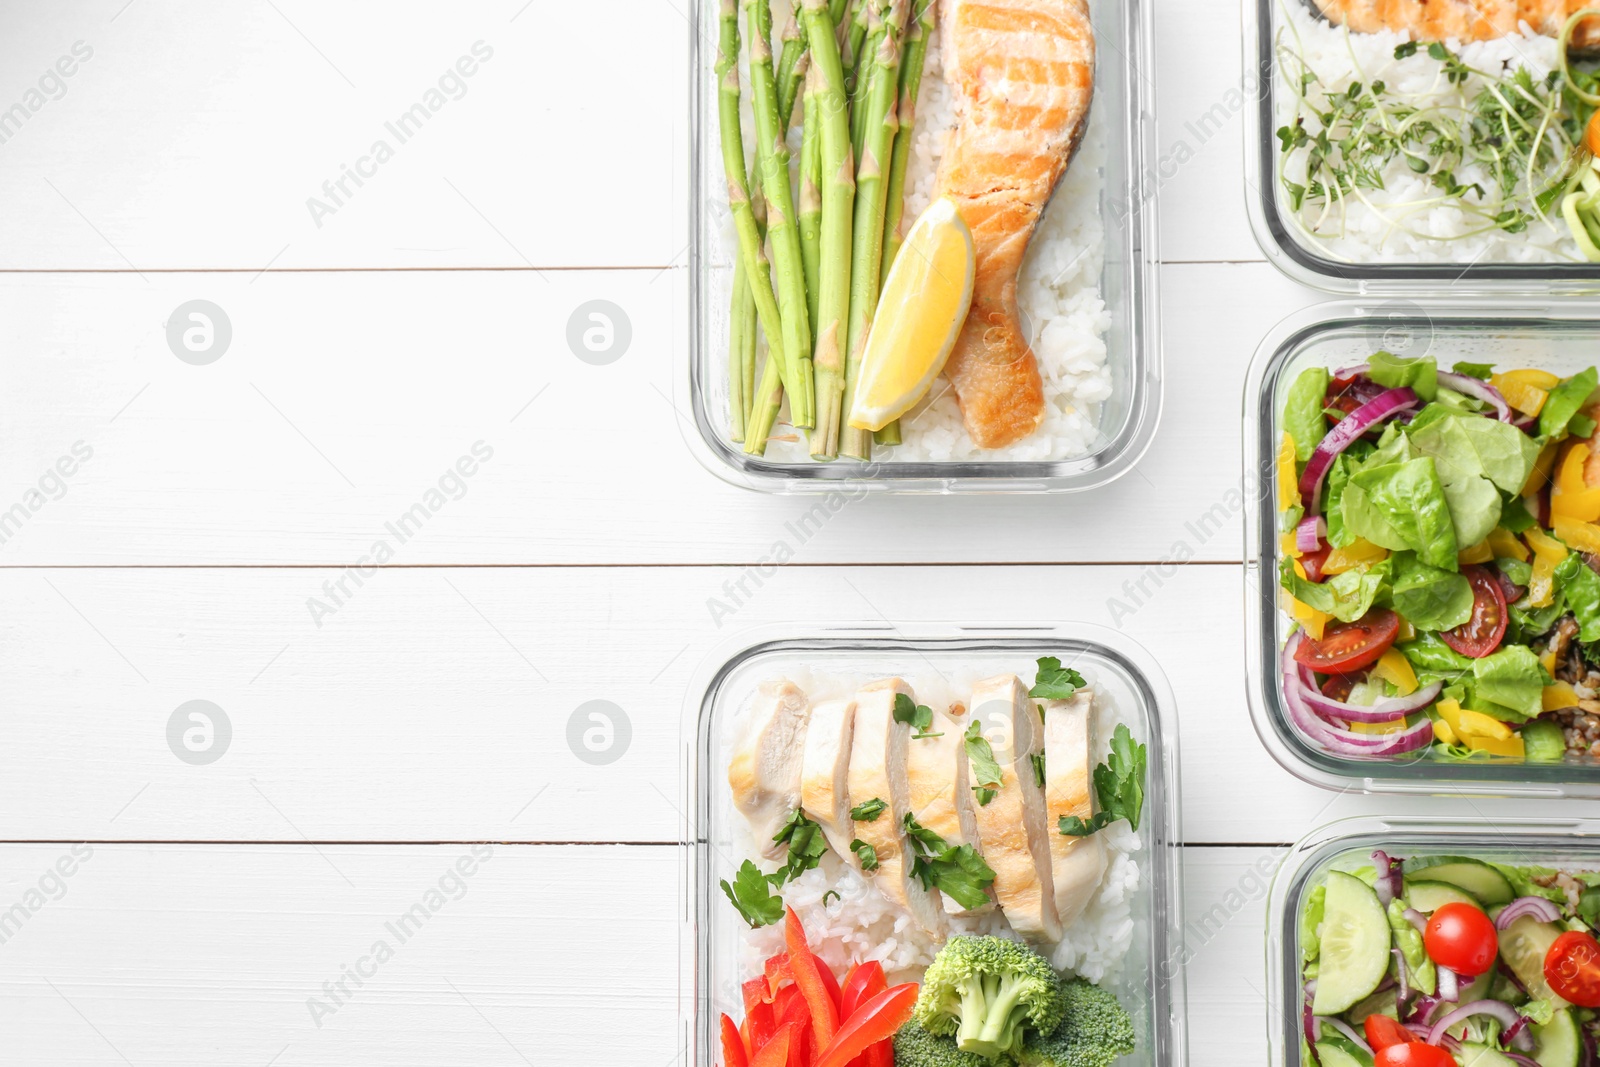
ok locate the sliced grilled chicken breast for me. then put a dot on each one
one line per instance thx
(765, 769)
(878, 770)
(940, 790)
(825, 773)
(1011, 827)
(1078, 864)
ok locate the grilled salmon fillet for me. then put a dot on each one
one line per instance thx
(1463, 20)
(1022, 77)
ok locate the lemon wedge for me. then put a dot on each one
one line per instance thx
(924, 302)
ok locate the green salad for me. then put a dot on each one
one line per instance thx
(1440, 960)
(1440, 559)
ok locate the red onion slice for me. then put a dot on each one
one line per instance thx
(1417, 919)
(1449, 988)
(1309, 534)
(1478, 389)
(1349, 429)
(1538, 907)
(1386, 710)
(1505, 1013)
(1403, 993)
(1390, 882)
(1339, 741)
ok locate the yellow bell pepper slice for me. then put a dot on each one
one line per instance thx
(1572, 497)
(1543, 470)
(1548, 662)
(1511, 746)
(1392, 727)
(1314, 621)
(1394, 668)
(1547, 555)
(1359, 553)
(1287, 547)
(1478, 553)
(1558, 696)
(1405, 633)
(1288, 481)
(1477, 724)
(1583, 536)
(1442, 732)
(1449, 711)
(1526, 390)
(1506, 546)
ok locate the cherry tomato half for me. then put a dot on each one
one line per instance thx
(1572, 967)
(1338, 686)
(1413, 1054)
(1480, 634)
(1313, 561)
(1462, 938)
(1383, 1031)
(1345, 395)
(1349, 646)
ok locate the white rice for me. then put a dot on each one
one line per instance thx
(1059, 296)
(861, 924)
(1389, 227)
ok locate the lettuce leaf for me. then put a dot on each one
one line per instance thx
(1509, 681)
(1401, 506)
(1394, 372)
(1302, 411)
(1427, 597)
(1346, 596)
(1429, 653)
(1476, 459)
(1582, 587)
(1565, 400)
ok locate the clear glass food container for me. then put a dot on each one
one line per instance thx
(1151, 980)
(1294, 254)
(1124, 105)
(1348, 844)
(1562, 339)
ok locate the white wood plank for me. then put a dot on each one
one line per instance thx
(194, 134)
(434, 703)
(343, 398)
(212, 955)
(208, 955)
(1200, 118)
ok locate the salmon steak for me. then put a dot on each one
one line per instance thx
(1022, 77)
(1463, 20)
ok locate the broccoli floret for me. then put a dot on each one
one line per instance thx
(915, 1047)
(984, 991)
(1093, 1032)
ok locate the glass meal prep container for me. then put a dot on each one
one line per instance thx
(1348, 844)
(1124, 103)
(1558, 339)
(1271, 219)
(1150, 983)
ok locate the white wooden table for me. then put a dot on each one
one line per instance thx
(374, 341)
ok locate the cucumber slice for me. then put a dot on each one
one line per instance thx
(1332, 1055)
(1355, 944)
(1524, 945)
(1429, 897)
(1476, 877)
(1559, 1043)
(1483, 1056)
(1543, 742)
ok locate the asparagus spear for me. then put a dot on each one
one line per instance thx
(811, 195)
(866, 71)
(738, 352)
(792, 63)
(880, 124)
(838, 220)
(894, 223)
(757, 271)
(858, 39)
(783, 230)
(916, 52)
(768, 399)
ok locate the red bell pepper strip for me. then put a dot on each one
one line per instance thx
(829, 982)
(775, 1053)
(778, 974)
(879, 1055)
(734, 1054)
(756, 991)
(807, 976)
(783, 1005)
(759, 1025)
(864, 982)
(875, 1021)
